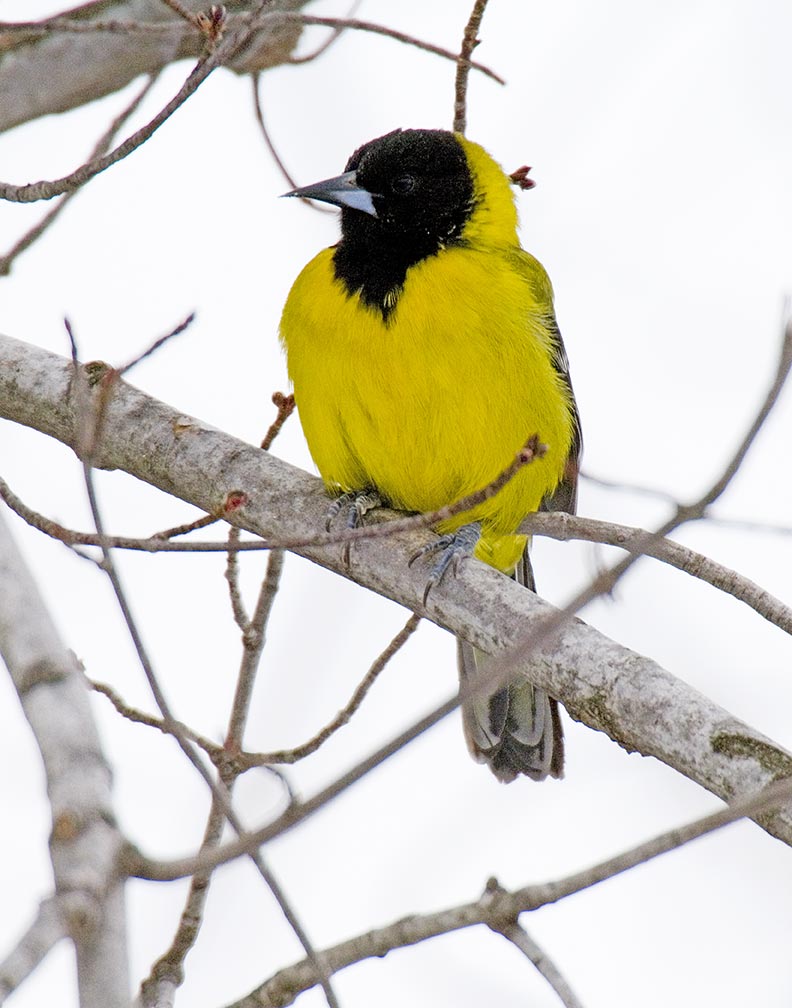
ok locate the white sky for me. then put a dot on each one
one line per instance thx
(661, 141)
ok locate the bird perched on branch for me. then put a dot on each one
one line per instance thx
(424, 352)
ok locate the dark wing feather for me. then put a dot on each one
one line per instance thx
(564, 497)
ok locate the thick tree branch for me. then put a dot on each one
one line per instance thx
(85, 843)
(54, 69)
(610, 688)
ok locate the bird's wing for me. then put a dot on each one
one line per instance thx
(564, 497)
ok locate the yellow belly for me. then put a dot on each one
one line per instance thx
(433, 404)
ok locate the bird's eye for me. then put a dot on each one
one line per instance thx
(403, 184)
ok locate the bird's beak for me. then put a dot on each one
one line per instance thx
(343, 191)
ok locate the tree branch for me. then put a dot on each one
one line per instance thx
(520, 938)
(497, 908)
(44, 933)
(470, 40)
(554, 524)
(85, 843)
(62, 63)
(610, 688)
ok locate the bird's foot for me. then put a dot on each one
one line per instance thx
(453, 549)
(355, 504)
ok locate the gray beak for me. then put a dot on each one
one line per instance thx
(342, 191)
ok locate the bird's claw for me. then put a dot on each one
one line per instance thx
(356, 504)
(453, 549)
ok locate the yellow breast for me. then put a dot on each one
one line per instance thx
(434, 403)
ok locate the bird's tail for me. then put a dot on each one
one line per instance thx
(517, 728)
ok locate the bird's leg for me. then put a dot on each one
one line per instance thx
(356, 504)
(453, 548)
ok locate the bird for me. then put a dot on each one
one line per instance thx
(423, 351)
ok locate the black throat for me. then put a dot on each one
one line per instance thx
(376, 269)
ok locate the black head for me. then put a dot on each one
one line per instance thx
(404, 197)
(420, 185)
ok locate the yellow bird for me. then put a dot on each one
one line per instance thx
(424, 351)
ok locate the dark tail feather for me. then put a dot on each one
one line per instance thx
(517, 729)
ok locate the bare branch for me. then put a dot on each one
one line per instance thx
(167, 534)
(225, 51)
(236, 499)
(231, 752)
(136, 716)
(253, 637)
(157, 344)
(609, 687)
(564, 527)
(255, 82)
(232, 579)
(556, 525)
(368, 26)
(324, 46)
(85, 843)
(496, 907)
(470, 40)
(80, 57)
(44, 933)
(745, 524)
(66, 61)
(248, 760)
(44, 190)
(285, 406)
(520, 938)
(49, 218)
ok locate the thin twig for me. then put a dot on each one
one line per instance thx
(253, 636)
(343, 717)
(255, 83)
(232, 579)
(138, 865)
(744, 524)
(368, 26)
(182, 11)
(285, 406)
(470, 40)
(494, 908)
(155, 346)
(321, 49)
(563, 527)
(255, 80)
(242, 760)
(137, 716)
(179, 530)
(520, 938)
(100, 148)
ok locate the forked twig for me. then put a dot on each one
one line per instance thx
(343, 717)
